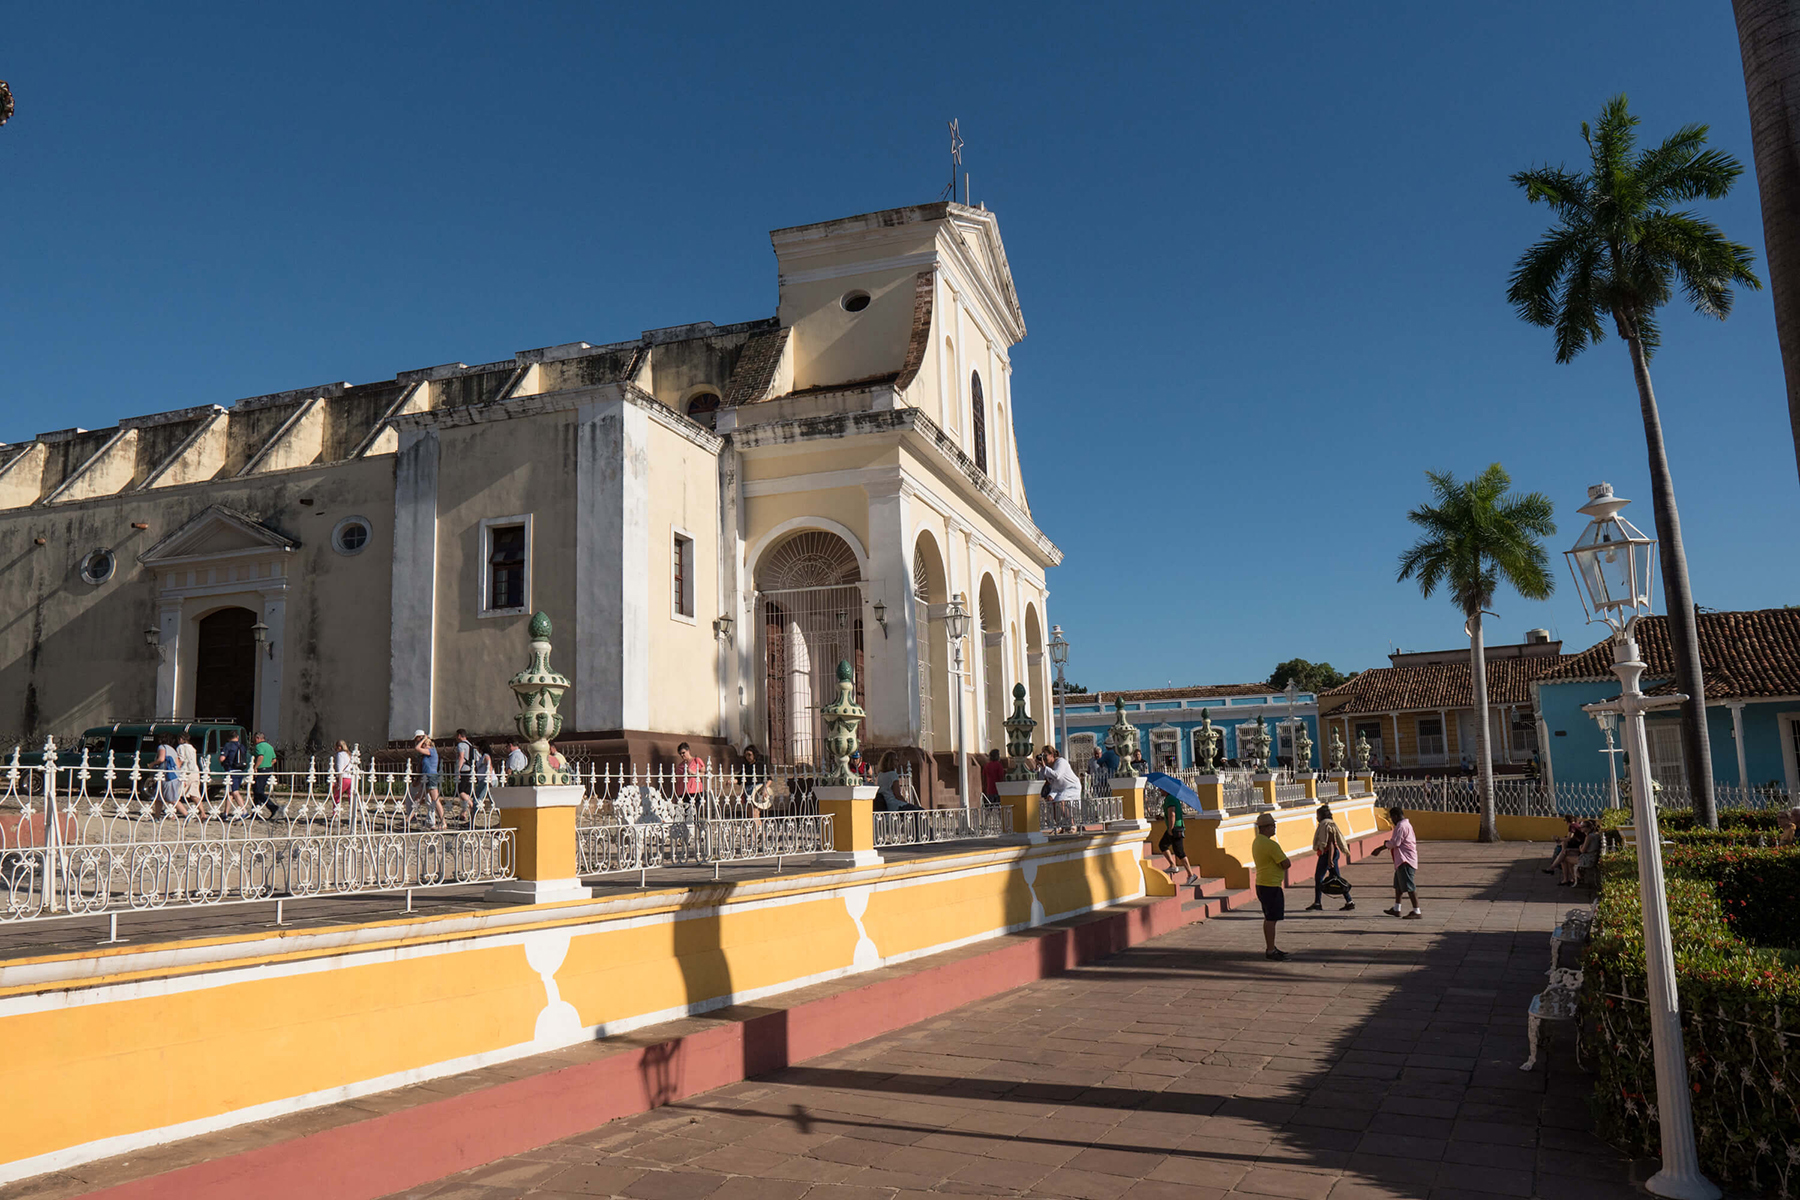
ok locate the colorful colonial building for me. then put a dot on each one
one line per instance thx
(713, 516)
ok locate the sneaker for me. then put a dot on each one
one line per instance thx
(1392, 912)
(1348, 906)
(1415, 915)
(1275, 955)
(1314, 908)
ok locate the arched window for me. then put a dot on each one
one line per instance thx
(978, 422)
(704, 409)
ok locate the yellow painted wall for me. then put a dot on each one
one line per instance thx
(1222, 848)
(541, 483)
(684, 652)
(158, 1033)
(1465, 827)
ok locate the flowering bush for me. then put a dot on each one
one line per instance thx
(1739, 983)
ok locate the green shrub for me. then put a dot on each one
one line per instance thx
(1737, 998)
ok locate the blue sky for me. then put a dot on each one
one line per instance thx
(1262, 252)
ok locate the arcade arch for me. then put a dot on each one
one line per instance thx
(809, 618)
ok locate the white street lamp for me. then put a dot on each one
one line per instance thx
(1059, 654)
(1609, 724)
(1612, 562)
(956, 624)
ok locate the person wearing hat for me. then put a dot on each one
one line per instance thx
(1271, 875)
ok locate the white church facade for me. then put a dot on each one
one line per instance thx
(712, 516)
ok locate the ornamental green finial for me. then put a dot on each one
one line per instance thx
(841, 719)
(538, 690)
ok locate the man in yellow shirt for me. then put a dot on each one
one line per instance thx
(1271, 875)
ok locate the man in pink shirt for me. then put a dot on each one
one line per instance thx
(1405, 850)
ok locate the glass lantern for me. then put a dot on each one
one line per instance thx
(1059, 646)
(1612, 561)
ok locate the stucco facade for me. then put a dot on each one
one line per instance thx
(708, 514)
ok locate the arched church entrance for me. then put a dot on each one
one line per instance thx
(225, 666)
(809, 613)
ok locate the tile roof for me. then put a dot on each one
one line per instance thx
(1438, 685)
(1200, 691)
(1744, 655)
(755, 369)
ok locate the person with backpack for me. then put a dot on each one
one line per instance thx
(1329, 850)
(1173, 844)
(465, 773)
(236, 762)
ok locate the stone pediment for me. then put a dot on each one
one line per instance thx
(217, 532)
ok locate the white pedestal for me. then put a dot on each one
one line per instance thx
(538, 891)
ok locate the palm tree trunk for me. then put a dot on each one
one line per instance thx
(1678, 597)
(1478, 676)
(1769, 40)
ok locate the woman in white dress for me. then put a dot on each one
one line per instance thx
(1060, 784)
(187, 768)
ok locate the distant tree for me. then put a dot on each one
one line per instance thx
(1068, 688)
(1307, 676)
(1478, 535)
(1617, 251)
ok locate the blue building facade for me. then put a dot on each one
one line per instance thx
(1166, 720)
(1752, 666)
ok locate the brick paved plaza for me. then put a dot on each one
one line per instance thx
(1380, 1060)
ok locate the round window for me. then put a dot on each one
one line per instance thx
(98, 566)
(855, 301)
(351, 535)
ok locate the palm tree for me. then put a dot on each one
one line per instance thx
(1616, 251)
(1769, 40)
(1478, 535)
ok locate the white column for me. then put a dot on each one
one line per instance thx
(168, 624)
(734, 655)
(1737, 735)
(412, 616)
(612, 567)
(268, 692)
(892, 690)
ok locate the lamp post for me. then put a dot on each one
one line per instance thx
(1059, 654)
(1612, 562)
(956, 623)
(1608, 722)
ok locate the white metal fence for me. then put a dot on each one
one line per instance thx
(1073, 815)
(1531, 798)
(922, 825)
(83, 837)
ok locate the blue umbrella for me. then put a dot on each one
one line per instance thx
(1171, 786)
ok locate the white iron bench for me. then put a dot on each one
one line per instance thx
(1573, 931)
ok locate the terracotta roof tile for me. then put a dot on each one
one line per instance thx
(1743, 655)
(1439, 685)
(755, 370)
(1200, 691)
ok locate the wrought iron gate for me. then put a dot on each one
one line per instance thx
(805, 633)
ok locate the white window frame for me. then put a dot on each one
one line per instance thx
(488, 525)
(1790, 762)
(675, 613)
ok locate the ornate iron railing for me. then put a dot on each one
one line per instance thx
(919, 826)
(1290, 793)
(604, 847)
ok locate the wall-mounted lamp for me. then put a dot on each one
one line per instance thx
(260, 632)
(881, 617)
(153, 639)
(722, 627)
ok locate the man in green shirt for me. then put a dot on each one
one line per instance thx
(265, 762)
(1174, 839)
(1271, 875)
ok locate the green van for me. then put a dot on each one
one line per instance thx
(129, 740)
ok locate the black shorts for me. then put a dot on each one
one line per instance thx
(1403, 877)
(1274, 902)
(1173, 843)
